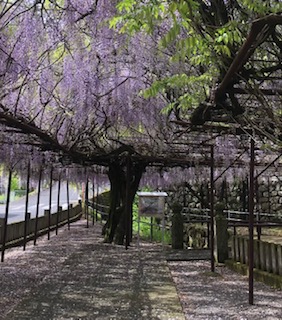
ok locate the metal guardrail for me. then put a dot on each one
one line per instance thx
(194, 215)
(101, 209)
(203, 215)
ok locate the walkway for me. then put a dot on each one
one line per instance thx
(76, 276)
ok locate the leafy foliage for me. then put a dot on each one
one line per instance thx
(71, 74)
(204, 35)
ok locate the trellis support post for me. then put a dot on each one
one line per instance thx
(251, 223)
(212, 208)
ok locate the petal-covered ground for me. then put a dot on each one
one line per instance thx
(222, 295)
(76, 276)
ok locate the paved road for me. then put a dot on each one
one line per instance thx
(17, 207)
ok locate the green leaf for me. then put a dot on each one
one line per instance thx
(126, 5)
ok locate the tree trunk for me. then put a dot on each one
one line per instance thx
(119, 218)
(117, 183)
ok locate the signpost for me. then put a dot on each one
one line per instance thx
(151, 204)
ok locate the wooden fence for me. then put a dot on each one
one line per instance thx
(267, 256)
(15, 231)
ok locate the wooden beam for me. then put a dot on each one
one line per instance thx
(247, 49)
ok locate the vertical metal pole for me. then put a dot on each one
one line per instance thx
(26, 218)
(138, 235)
(251, 224)
(151, 229)
(50, 202)
(257, 208)
(242, 187)
(247, 195)
(163, 230)
(208, 232)
(68, 201)
(97, 195)
(226, 193)
(212, 208)
(127, 202)
(58, 204)
(208, 219)
(245, 189)
(37, 205)
(86, 202)
(269, 195)
(93, 199)
(6, 216)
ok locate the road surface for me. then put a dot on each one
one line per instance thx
(17, 207)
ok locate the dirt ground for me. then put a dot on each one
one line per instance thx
(77, 276)
(223, 295)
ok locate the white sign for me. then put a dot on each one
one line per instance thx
(151, 204)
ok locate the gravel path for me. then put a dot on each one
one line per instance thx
(76, 276)
(222, 296)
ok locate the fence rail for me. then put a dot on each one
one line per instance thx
(15, 231)
(267, 256)
(203, 215)
(101, 209)
(194, 215)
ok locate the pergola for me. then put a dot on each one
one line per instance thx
(234, 103)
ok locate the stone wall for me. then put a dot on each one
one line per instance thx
(268, 195)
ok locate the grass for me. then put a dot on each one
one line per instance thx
(148, 232)
(13, 196)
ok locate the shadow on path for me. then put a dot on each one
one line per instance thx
(76, 276)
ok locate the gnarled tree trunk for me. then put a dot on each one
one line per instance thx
(122, 171)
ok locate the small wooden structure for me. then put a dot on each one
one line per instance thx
(151, 204)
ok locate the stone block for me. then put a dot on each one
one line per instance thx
(246, 250)
(274, 180)
(241, 250)
(279, 259)
(265, 206)
(222, 239)
(256, 254)
(177, 227)
(268, 256)
(237, 248)
(274, 258)
(233, 248)
(262, 255)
